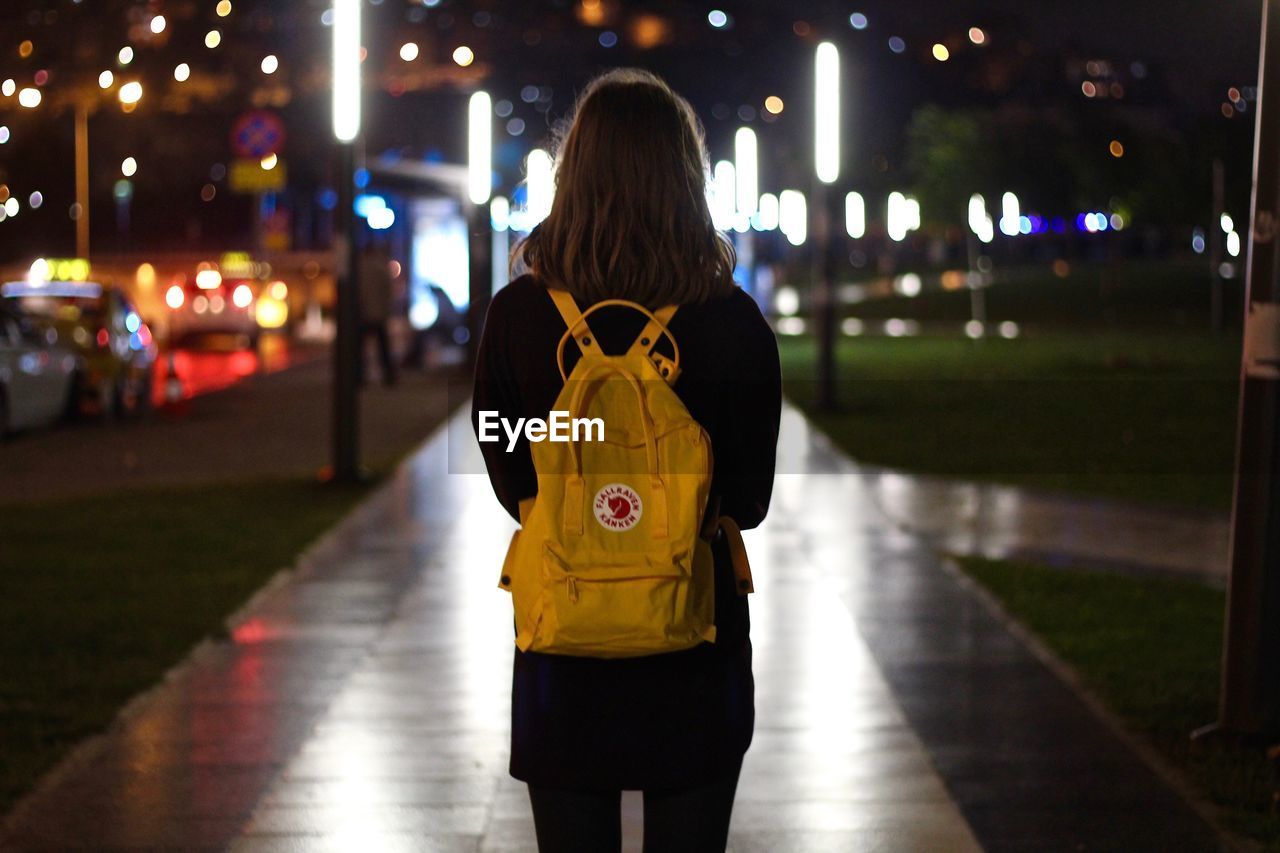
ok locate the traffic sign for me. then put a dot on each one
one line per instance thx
(248, 176)
(257, 134)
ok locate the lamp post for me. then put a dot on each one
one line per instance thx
(826, 167)
(346, 349)
(1250, 699)
(479, 222)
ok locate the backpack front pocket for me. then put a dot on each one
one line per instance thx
(617, 608)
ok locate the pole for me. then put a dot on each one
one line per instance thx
(1250, 700)
(977, 287)
(1215, 251)
(346, 348)
(480, 272)
(824, 298)
(82, 180)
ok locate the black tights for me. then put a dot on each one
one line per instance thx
(689, 820)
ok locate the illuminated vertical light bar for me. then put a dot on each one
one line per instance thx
(480, 148)
(346, 70)
(768, 214)
(746, 162)
(723, 189)
(793, 216)
(827, 113)
(540, 184)
(897, 217)
(1010, 214)
(912, 213)
(855, 215)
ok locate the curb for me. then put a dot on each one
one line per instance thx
(1064, 672)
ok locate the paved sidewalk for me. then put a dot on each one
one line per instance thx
(998, 521)
(362, 703)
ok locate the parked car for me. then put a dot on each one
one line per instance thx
(99, 323)
(37, 377)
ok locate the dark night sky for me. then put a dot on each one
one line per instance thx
(1194, 50)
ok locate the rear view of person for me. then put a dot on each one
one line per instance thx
(630, 223)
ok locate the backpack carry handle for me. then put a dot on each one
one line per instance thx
(646, 423)
(582, 335)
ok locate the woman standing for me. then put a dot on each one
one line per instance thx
(630, 221)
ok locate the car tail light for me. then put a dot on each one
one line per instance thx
(104, 338)
(174, 297)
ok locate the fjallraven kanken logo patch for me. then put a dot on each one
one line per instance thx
(617, 507)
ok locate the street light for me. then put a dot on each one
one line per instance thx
(480, 148)
(346, 70)
(855, 215)
(826, 154)
(346, 350)
(479, 226)
(826, 167)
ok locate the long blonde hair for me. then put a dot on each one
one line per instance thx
(630, 218)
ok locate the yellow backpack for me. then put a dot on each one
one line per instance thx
(610, 560)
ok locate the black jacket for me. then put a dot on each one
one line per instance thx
(662, 721)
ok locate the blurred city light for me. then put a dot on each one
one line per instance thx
(1010, 215)
(131, 92)
(241, 296)
(158, 24)
(409, 51)
(897, 217)
(223, 8)
(30, 98)
(270, 64)
(480, 148)
(213, 38)
(717, 19)
(941, 53)
(977, 35)
(500, 213)
(773, 105)
(540, 183)
(174, 297)
(463, 56)
(129, 167)
(1233, 244)
(980, 222)
(723, 195)
(827, 112)
(768, 214)
(786, 300)
(125, 56)
(793, 216)
(858, 21)
(8, 87)
(1227, 223)
(182, 72)
(105, 79)
(746, 165)
(346, 69)
(855, 215)
(1197, 241)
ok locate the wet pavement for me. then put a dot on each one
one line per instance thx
(362, 702)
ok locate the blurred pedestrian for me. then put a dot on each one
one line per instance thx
(630, 221)
(375, 308)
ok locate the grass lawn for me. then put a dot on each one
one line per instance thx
(1150, 649)
(99, 596)
(1147, 416)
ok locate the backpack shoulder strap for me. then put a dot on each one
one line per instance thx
(577, 328)
(567, 307)
(648, 338)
